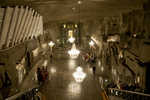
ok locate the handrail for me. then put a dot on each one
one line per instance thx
(127, 95)
(20, 94)
(130, 92)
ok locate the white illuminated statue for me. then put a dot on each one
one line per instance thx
(79, 75)
(74, 53)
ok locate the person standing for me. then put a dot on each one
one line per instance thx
(51, 57)
(94, 70)
(39, 75)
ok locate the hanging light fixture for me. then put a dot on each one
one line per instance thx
(71, 39)
(51, 43)
(79, 75)
(74, 53)
(91, 43)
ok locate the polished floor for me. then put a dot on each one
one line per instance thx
(63, 86)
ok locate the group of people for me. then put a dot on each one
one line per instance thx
(42, 74)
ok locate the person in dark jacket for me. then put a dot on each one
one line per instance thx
(39, 75)
(94, 70)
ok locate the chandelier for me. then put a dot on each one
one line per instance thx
(79, 75)
(74, 53)
(51, 43)
(91, 43)
(71, 39)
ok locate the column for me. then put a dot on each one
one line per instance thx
(12, 25)
(32, 25)
(1, 18)
(26, 24)
(22, 22)
(35, 27)
(41, 26)
(21, 11)
(5, 27)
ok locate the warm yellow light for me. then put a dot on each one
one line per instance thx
(51, 43)
(53, 70)
(70, 33)
(64, 25)
(91, 43)
(71, 39)
(76, 25)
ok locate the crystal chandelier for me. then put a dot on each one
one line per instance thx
(74, 53)
(91, 43)
(71, 39)
(51, 43)
(79, 75)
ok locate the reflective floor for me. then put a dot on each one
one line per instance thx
(62, 85)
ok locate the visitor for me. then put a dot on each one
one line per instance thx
(94, 70)
(51, 57)
(39, 75)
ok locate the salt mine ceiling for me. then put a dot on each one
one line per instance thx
(72, 10)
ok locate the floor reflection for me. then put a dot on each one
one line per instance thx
(71, 64)
(74, 88)
(79, 75)
(52, 70)
(62, 85)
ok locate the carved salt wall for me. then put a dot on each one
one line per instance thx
(18, 24)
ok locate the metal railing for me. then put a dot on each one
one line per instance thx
(127, 95)
(29, 94)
